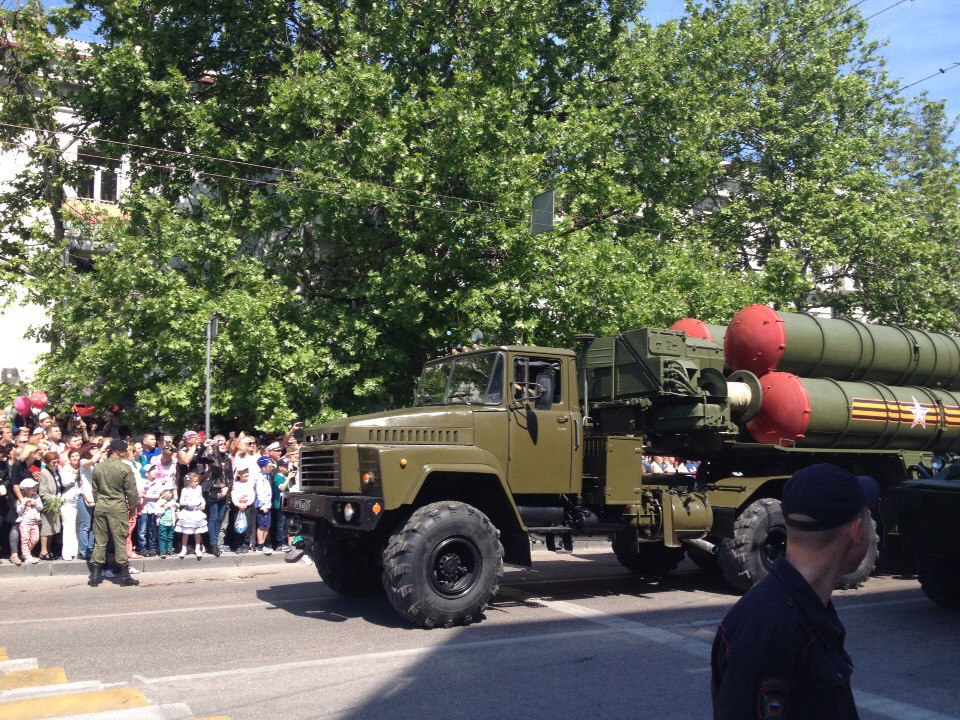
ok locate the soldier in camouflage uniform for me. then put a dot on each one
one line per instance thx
(114, 493)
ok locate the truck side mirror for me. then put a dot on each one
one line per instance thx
(545, 395)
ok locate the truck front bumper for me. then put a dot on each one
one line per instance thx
(307, 508)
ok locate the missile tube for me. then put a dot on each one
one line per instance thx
(760, 339)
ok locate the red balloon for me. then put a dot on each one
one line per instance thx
(38, 399)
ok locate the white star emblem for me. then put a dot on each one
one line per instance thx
(919, 414)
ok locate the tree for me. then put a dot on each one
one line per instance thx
(136, 324)
(39, 74)
(372, 165)
(914, 279)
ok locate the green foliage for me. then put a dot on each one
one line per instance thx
(753, 151)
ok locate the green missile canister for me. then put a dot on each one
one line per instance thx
(822, 413)
(761, 339)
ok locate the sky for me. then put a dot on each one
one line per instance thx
(920, 36)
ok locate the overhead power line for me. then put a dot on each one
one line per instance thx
(253, 165)
(269, 183)
(940, 71)
(889, 7)
(580, 219)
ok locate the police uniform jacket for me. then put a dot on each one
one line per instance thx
(779, 655)
(114, 487)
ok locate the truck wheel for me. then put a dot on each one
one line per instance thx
(940, 580)
(759, 538)
(859, 576)
(443, 566)
(653, 561)
(348, 566)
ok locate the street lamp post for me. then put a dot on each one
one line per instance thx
(212, 326)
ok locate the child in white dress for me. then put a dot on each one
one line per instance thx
(191, 520)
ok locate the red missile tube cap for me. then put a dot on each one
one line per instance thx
(755, 340)
(694, 329)
(784, 411)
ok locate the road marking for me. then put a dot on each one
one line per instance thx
(895, 709)
(559, 581)
(62, 689)
(32, 678)
(3, 654)
(163, 611)
(615, 622)
(19, 664)
(838, 606)
(881, 603)
(866, 701)
(383, 655)
(73, 704)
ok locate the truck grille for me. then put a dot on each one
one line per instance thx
(320, 469)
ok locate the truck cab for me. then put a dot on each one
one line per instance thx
(487, 428)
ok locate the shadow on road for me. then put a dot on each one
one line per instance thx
(329, 606)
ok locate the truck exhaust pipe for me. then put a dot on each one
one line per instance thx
(701, 544)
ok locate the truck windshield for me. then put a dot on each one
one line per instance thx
(469, 380)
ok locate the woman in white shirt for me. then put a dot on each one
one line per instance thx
(70, 479)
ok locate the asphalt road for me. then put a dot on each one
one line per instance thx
(575, 637)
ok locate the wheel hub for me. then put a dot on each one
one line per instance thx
(454, 567)
(774, 546)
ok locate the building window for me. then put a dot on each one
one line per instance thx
(98, 177)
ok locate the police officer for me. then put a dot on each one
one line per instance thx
(114, 492)
(778, 654)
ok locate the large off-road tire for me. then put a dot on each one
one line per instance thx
(940, 580)
(759, 538)
(859, 576)
(443, 566)
(349, 566)
(652, 561)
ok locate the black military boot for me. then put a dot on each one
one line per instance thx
(96, 575)
(126, 578)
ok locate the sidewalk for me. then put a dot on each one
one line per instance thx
(144, 565)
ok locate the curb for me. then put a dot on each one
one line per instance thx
(64, 568)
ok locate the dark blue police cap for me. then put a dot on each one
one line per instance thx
(829, 494)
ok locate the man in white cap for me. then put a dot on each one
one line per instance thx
(274, 452)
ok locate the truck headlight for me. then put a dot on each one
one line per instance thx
(349, 511)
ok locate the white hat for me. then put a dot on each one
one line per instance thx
(28, 483)
(273, 446)
(42, 416)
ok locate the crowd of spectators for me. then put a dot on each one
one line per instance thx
(197, 495)
(664, 465)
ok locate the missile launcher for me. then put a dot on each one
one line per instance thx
(761, 339)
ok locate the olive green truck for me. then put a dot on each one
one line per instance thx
(504, 443)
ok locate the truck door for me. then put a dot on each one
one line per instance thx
(541, 426)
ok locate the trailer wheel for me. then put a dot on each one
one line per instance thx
(443, 566)
(940, 580)
(859, 576)
(653, 560)
(347, 565)
(759, 538)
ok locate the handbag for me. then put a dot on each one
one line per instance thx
(240, 524)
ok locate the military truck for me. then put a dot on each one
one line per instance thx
(927, 511)
(504, 443)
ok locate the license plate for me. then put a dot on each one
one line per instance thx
(299, 504)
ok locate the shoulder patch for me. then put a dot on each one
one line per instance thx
(773, 695)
